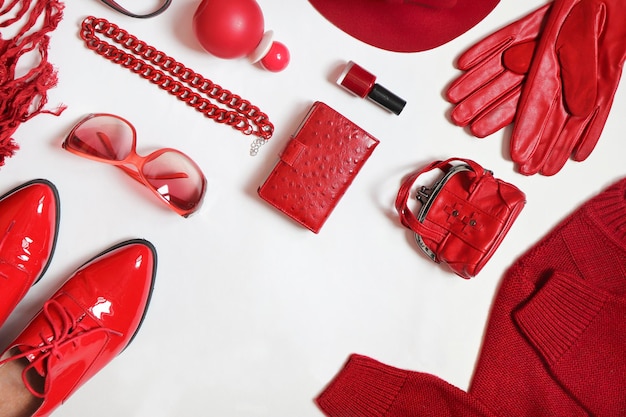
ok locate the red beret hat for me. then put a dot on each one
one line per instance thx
(405, 25)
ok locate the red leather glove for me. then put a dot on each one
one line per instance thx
(570, 86)
(487, 93)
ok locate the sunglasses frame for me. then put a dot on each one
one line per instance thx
(137, 161)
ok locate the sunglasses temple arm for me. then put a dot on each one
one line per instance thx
(106, 142)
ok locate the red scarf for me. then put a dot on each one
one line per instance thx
(24, 97)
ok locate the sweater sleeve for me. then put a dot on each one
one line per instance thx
(368, 388)
(580, 333)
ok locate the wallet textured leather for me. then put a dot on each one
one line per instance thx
(317, 166)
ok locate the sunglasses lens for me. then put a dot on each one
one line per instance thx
(177, 178)
(102, 136)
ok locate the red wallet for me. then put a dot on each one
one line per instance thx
(317, 166)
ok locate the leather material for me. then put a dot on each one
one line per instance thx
(88, 321)
(487, 93)
(571, 83)
(464, 216)
(29, 223)
(317, 166)
(553, 73)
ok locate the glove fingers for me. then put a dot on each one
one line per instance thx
(592, 133)
(531, 144)
(496, 117)
(486, 98)
(521, 30)
(571, 134)
(473, 80)
(487, 94)
(530, 128)
(553, 151)
(490, 47)
(534, 163)
(576, 140)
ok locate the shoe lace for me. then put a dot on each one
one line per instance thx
(66, 330)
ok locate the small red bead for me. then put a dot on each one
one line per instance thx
(277, 58)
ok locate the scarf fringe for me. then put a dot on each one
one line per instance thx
(24, 97)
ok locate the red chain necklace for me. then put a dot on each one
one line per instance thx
(152, 64)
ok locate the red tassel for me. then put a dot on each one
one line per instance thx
(24, 97)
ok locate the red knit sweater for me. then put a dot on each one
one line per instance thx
(555, 344)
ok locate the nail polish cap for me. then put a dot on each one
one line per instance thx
(356, 80)
(362, 83)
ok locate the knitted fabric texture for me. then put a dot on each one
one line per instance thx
(23, 92)
(555, 344)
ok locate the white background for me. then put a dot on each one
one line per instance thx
(252, 315)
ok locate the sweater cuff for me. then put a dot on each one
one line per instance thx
(558, 314)
(364, 388)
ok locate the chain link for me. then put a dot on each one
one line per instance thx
(154, 66)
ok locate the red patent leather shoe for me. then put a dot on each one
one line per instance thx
(86, 323)
(29, 223)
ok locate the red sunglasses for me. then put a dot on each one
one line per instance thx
(170, 174)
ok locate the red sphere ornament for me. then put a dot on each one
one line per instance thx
(234, 29)
(277, 58)
(228, 28)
